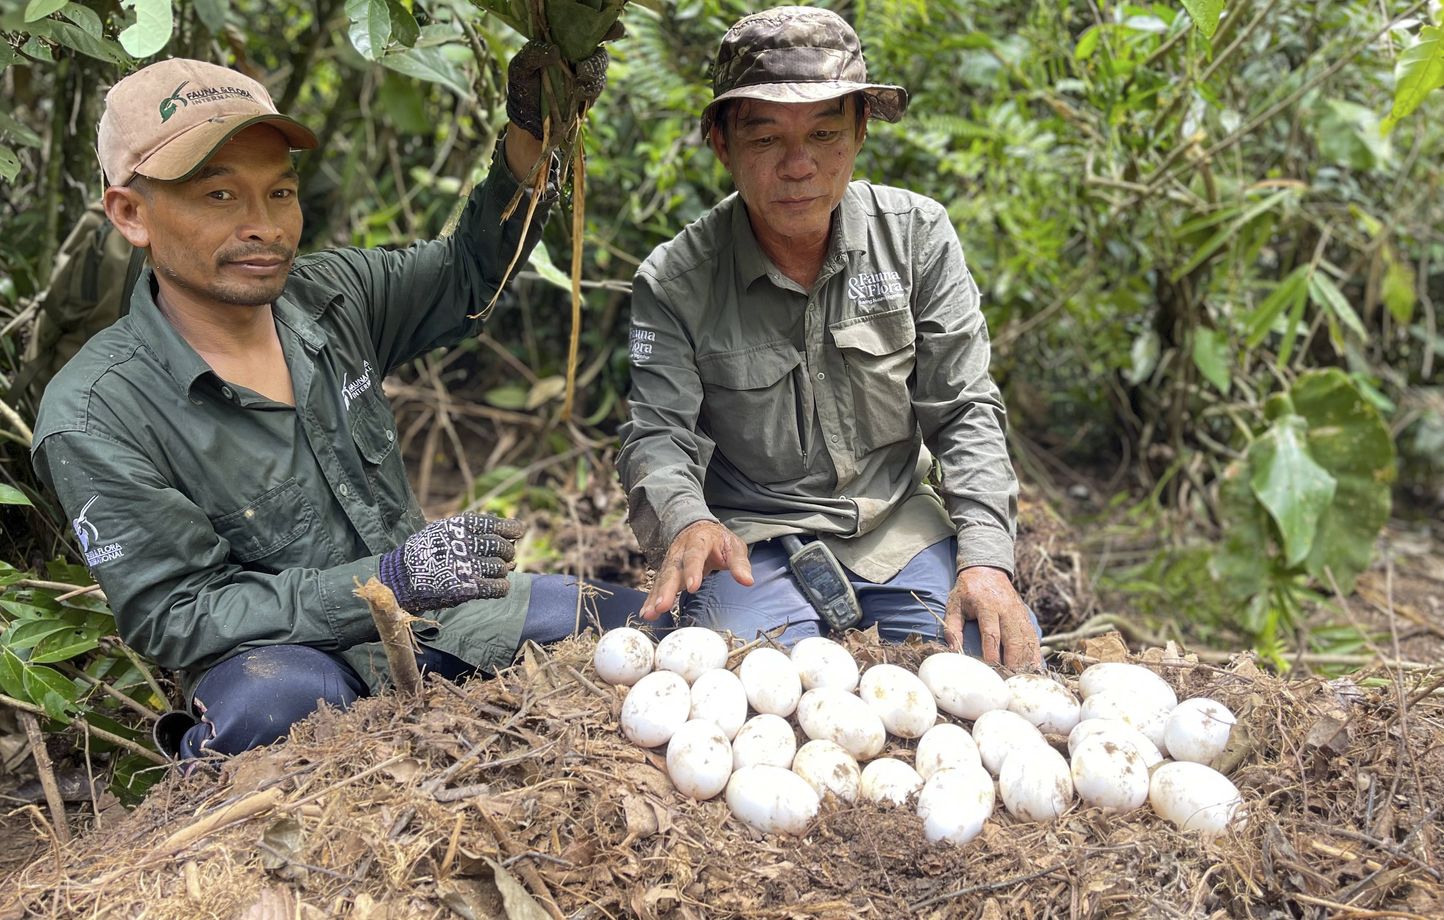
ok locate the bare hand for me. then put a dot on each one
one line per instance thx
(987, 595)
(699, 550)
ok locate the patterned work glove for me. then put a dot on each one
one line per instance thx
(461, 558)
(524, 102)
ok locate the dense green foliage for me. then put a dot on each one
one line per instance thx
(1206, 264)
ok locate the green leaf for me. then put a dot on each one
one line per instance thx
(65, 645)
(541, 262)
(403, 25)
(85, 18)
(1294, 288)
(154, 22)
(50, 690)
(12, 674)
(1350, 439)
(39, 9)
(1205, 14)
(431, 65)
(1418, 72)
(1210, 355)
(1088, 42)
(9, 495)
(9, 169)
(578, 27)
(30, 633)
(213, 13)
(1328, 296)
(370, 27)
(509, 397)
(1397, 290)
(1291, 328)
(77, 39)
(1287, 481)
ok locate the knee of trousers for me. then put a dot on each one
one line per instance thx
(254, 698)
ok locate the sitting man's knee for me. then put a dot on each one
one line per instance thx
(254, 698)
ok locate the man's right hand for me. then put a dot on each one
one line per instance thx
(448, 562)
(699, 550)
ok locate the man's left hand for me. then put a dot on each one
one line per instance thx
(987, 595)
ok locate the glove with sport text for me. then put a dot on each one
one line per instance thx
(448, 562)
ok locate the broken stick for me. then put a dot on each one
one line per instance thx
(394, 626)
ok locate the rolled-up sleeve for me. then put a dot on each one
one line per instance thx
(663, 460)
(959, 407)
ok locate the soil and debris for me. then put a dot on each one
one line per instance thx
(518, 797)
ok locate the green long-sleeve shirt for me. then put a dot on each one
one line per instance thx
(218, 520)
(780, 410)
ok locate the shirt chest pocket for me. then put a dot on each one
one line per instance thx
(880, 352)
(373, 429)
(275, 531)
(750, 409)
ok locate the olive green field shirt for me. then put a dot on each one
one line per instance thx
(778, 410)
(217, 520)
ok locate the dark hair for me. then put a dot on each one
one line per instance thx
(144, 185)
(723, 117)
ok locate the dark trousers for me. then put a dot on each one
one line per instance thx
(254, 698)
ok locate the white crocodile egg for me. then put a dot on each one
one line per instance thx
(623, 656)
(842, 718)
(771, 799)
(764, 739)
(903, 702)
(962, 686)
(655, 708)
(944, 747)
(998, 733)
(718, 695)
(1109, 774)
(823, 663)
(1119, 732)
(699, 759)
(1038, 787)
(1197, 730)
(771, 681)
(888, 781)
(955, 803)
(691, 651)
(1119, 675)
(1044, 702)
(1147, 714)
(828, 768)
(1195, 797)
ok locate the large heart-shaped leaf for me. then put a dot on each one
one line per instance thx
(1288, 482)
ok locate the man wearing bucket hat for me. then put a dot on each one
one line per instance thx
(225, 452)
(800, 355)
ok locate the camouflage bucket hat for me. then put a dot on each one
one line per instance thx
(796, 54)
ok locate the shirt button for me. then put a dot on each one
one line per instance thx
(227, 393)
(821, 375)
(834, 439)
(390, 435)
(196, 401)
(343, 489)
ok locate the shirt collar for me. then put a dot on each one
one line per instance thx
(176, 354)
(849, 234)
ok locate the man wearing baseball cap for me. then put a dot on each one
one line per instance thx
(801, 356)
(224, 451)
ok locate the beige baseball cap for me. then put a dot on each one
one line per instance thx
(164, 121)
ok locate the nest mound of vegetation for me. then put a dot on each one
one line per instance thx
(518, 797)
